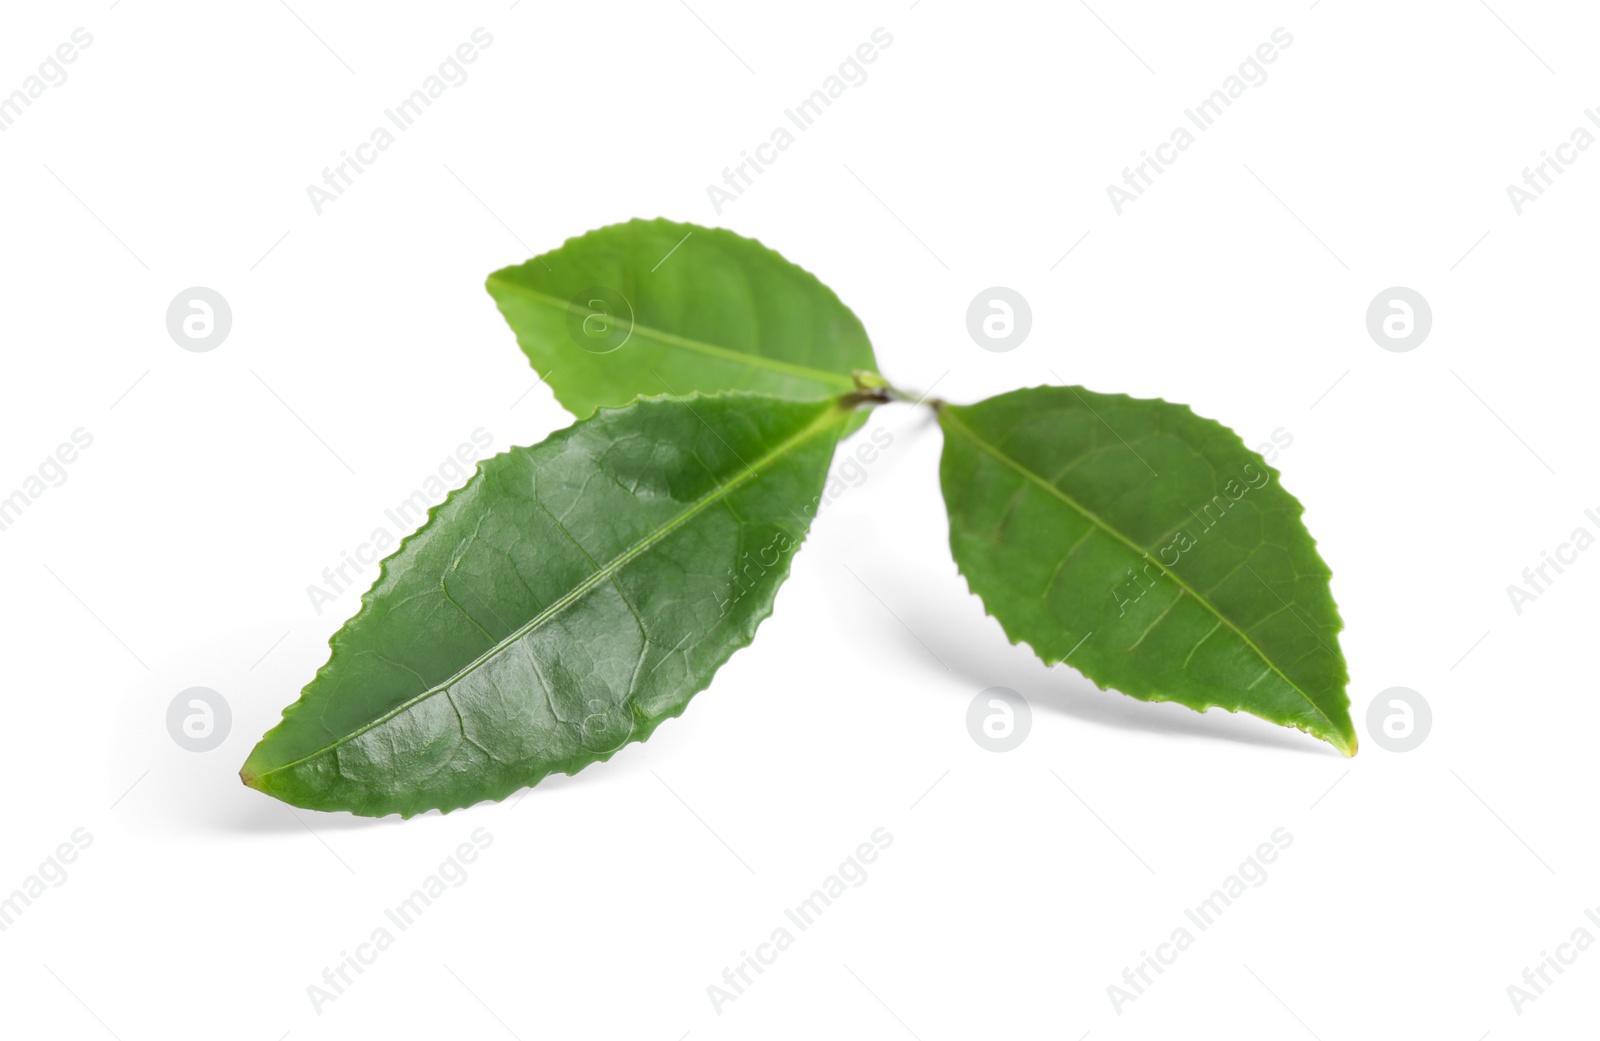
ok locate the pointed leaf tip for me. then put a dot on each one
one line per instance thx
(567, 600)
(1150, 549)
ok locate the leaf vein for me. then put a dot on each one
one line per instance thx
(955, 423)
(828, 418)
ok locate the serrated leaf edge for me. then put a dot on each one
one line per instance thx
(1334, 736)
(745, 635)
(841, 381)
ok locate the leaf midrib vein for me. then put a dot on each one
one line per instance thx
(699, 346)
(953, 421)
(609, 570)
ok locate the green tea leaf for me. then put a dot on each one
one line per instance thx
(564, 602)
(654, 307)
(1149, 549)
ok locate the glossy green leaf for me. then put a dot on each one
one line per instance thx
(564, 602)
(655, 307)
(1149, 549)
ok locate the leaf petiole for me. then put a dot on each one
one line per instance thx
(874, 387)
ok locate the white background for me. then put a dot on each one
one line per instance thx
(179, 550)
